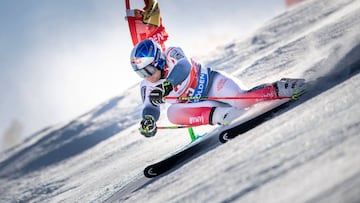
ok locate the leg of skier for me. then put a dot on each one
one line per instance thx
(224, 85)
(220, 112)
(199, 113)
(223, 112)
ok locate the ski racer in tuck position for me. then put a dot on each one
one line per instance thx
(171, 73)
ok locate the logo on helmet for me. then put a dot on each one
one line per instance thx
(135, 61)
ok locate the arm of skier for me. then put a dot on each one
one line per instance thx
(180, 68)
(176, 58)
(150, 112)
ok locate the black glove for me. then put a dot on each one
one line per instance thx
(148, 126)
(157, 95)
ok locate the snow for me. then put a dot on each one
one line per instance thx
(307, 153)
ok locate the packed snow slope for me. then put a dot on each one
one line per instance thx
(308, 153)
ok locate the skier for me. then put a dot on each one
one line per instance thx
(171, 73)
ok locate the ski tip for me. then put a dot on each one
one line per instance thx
(149, 172)
(223, 138)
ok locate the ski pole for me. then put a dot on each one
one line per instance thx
(176, 126)
(223, 98)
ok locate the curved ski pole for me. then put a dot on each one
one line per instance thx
(192, 134)
(193, 137)
(222, 98)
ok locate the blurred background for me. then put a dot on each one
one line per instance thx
(59, 59)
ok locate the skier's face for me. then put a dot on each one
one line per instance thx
(154, 77)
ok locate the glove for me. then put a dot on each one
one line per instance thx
(148, 126)
(157, 95)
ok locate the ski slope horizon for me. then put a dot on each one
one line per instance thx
(307, 153)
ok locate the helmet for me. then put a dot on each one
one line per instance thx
(145, 58)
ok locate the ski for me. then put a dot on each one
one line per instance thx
(178, 157)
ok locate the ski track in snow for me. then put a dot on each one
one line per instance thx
(309, 152)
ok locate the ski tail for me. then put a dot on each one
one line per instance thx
(146, 23)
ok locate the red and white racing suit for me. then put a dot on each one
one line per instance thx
(191, 79)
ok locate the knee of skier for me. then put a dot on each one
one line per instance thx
(171, 113)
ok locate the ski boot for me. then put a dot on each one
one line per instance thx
(288, 87)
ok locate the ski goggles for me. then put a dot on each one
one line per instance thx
(147, 71)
